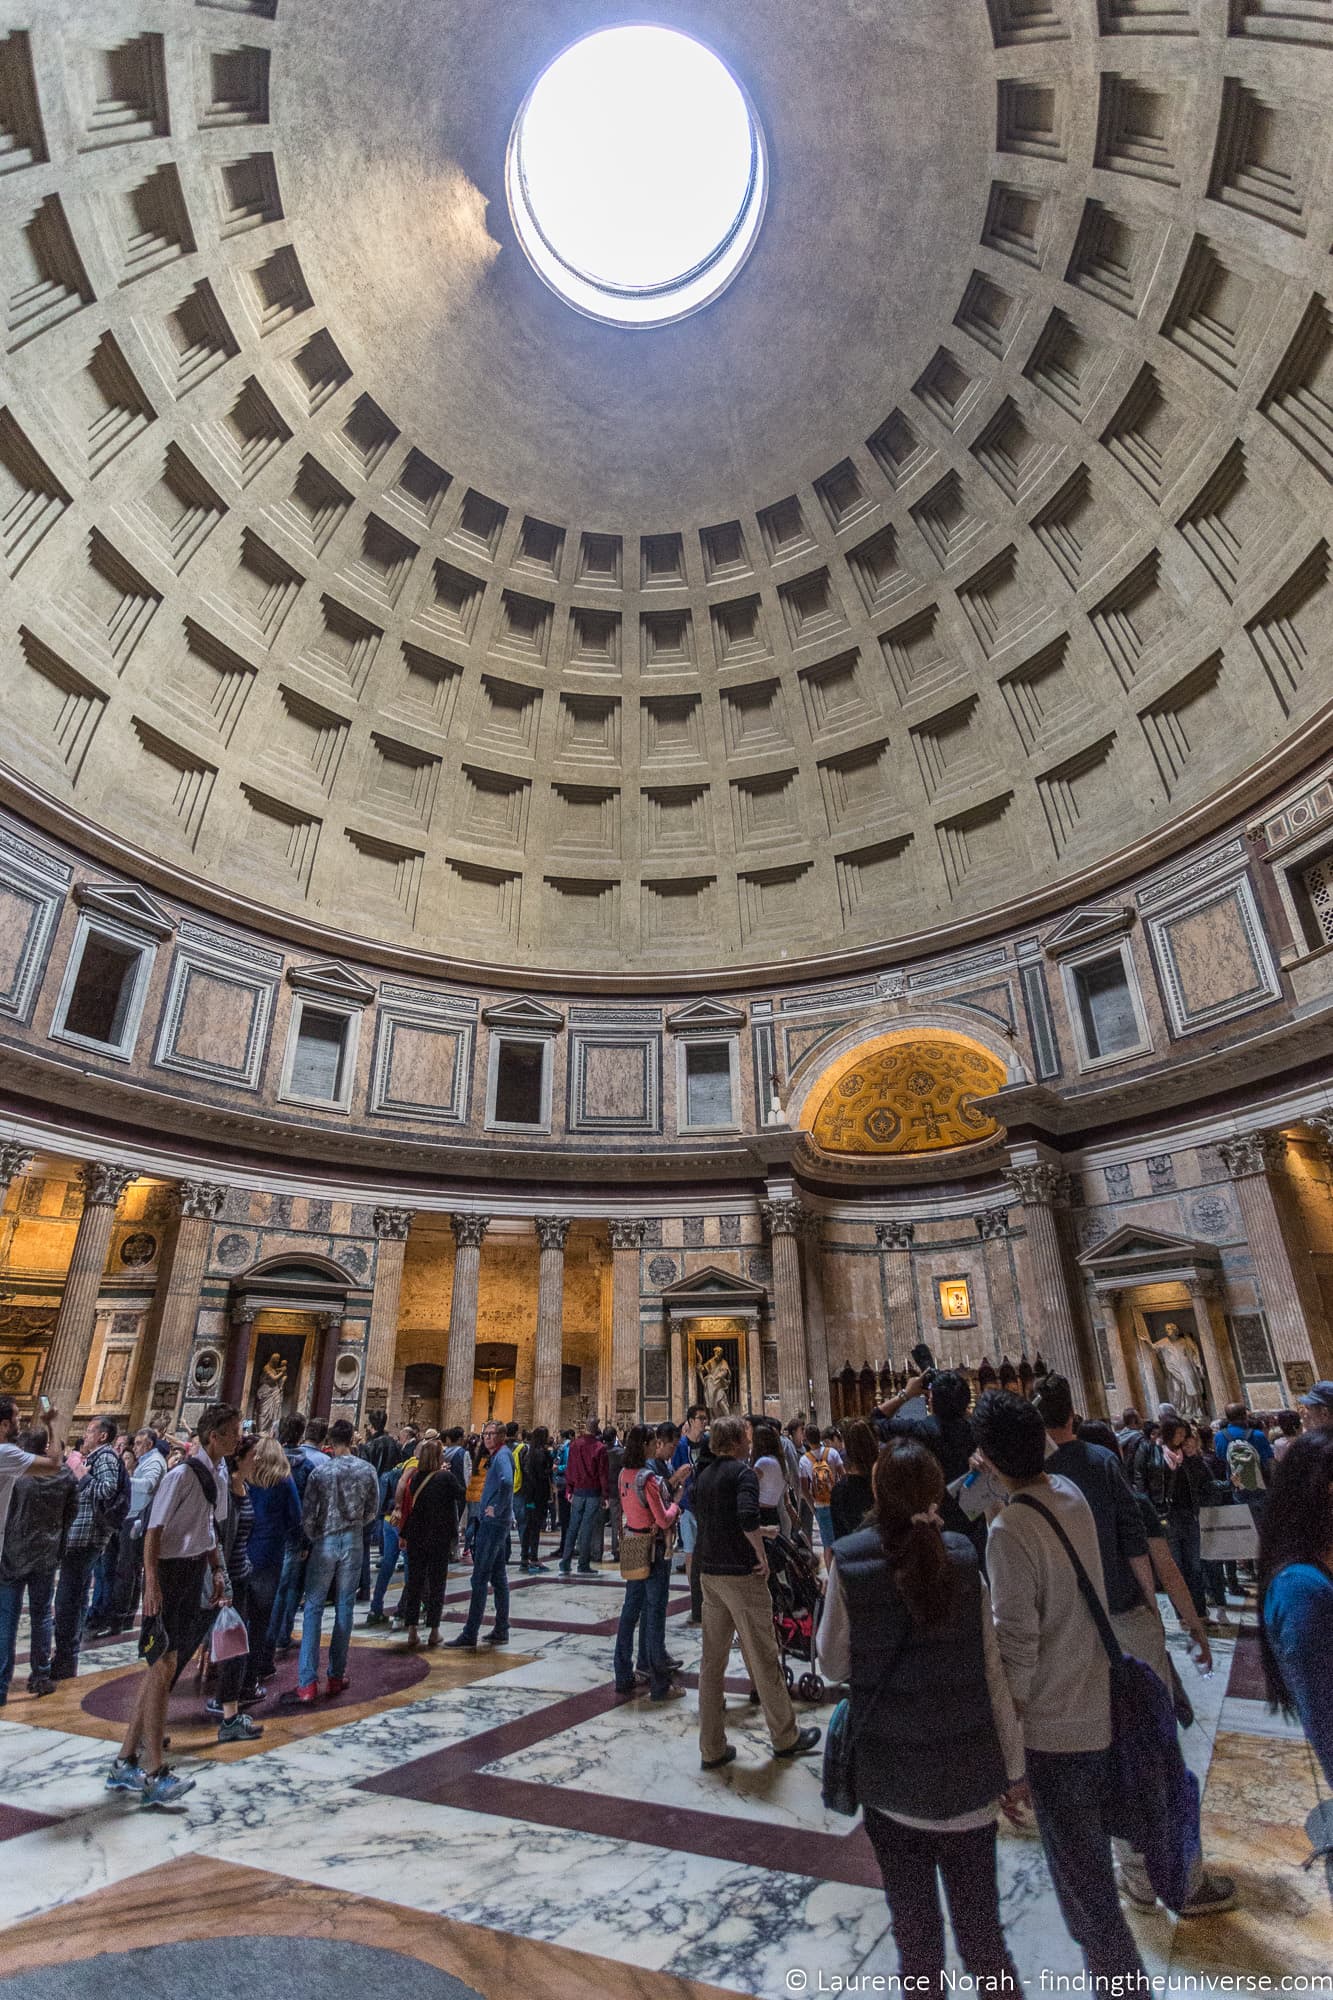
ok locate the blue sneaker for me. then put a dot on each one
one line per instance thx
(125, 1775)
(164, 1788)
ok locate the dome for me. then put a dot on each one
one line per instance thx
(967, 549)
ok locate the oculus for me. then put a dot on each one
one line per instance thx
(637, 175)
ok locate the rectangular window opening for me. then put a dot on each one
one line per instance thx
(103, 990)
(708, 1084)
(317, 1060)
(1106, 1007)
(520, 1075)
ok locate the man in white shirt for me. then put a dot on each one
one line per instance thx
(1057, 1670)
(182, 1545)
(16, 1464)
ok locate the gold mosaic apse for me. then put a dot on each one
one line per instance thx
(916, 1094)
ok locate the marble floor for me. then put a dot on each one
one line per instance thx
(506, 1816)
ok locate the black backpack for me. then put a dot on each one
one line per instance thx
(110, 1512)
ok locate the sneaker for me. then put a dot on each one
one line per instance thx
(1132, 1883)
(715, 1763)
(671, 1693)
(307, 1696)
(1212, 1895)
(213, 1708)
(240, 1729)
(125, 1775)
(673, 1666)
(164, 1788)
(336, 1683)
(41, 1684)
(373, 1618)
(539, 1569)
(460, 1645)
(806, 1741)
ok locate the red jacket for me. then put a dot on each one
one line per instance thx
(587, 1470)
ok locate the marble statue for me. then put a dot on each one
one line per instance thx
(715, 1384)
(270, 1394)
(1184, 1370)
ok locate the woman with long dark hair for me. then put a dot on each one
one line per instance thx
(430, 1527)
(1296, 1589)
(939, 1752)
(535, 1499)
(854, 1496)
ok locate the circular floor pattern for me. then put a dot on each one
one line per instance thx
(294, 1965)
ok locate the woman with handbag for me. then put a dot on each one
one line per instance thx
(650, 1516)
(276, 1509)
(936, 1748)
(1296, 1589)
(231, 1651)
(431, 1503)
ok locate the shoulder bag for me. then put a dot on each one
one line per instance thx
(1154, 1801)
(838, 1778)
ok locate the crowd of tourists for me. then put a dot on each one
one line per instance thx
(986, 1571)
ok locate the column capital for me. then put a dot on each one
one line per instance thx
(895, 1235)
(393, 1224)
(785, 1217)
(14, 1159)
(627, 1235)
(992, 1224)
(1319, 1122)
(201, 1199)
(552, 1230)
(1251, 1153)
(1112, 1298)
(104, 1182)
(1204, 1285)
(1038, 1186)
(246, 1315)
(469, 1229)
(812, 1225)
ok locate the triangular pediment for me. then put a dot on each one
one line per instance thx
(1133, 1245)
(332, 982)
(128, 905)
(710, 1284)
(1088, 926)
(534, 1015)
(704, 1014)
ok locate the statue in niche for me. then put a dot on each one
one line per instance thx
(715, 1384)
(270, 1394)
(1184, 1369)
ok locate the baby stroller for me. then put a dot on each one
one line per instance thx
(797, 1592)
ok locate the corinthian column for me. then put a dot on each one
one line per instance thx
(1250, 1160)
(14, 1160)
(1205, 1292)
(549, 1341)
(816, 1321)
(1039, 1187)
(784, 1218)
(992, 1226)
(67, 1357)
(391, 1226)
(626, 1242)
(159, 1375)
(461, 1360)
(895, 1243)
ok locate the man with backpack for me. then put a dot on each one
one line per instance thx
(103, 1508)
(821, 1469)
(1244, 1458)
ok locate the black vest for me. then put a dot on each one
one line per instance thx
(926, 1742)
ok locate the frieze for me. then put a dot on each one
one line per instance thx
(843, 996)
(35, 858)
(957, 970)
(225, 944)
(632, 1017)
(1180, 879)
(431, 1002)
(1296, 820)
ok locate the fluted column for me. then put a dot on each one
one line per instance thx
(549, 1341)
(326, 1360)
(159, 1376)
(784, 1218)
(1223, 1383)
(626, 1242)
(816, 1320)
(239, 1330)
(14, 1160)
(461, 1360)
(71, 1342)
(900, 1334)
(1039, 1187)
(604, 1401)
(1250, 1160)
(391, 1226)
(1124, 1361)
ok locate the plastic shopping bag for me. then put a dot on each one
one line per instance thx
(229, 1638)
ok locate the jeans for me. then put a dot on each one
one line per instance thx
(389, 1547)
(101, 1609)
(263, 1595)
(1182, 1536)
(1068, 1788)
(39, 1585)
(912, 1863)
(489, 1555)
(129, 1576)
(291, 1585)
(530, 1548)
(645, 1600)
(76, 1571)
(585, 1511)
(334, 1559)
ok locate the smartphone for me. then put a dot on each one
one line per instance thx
(43, 1406)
